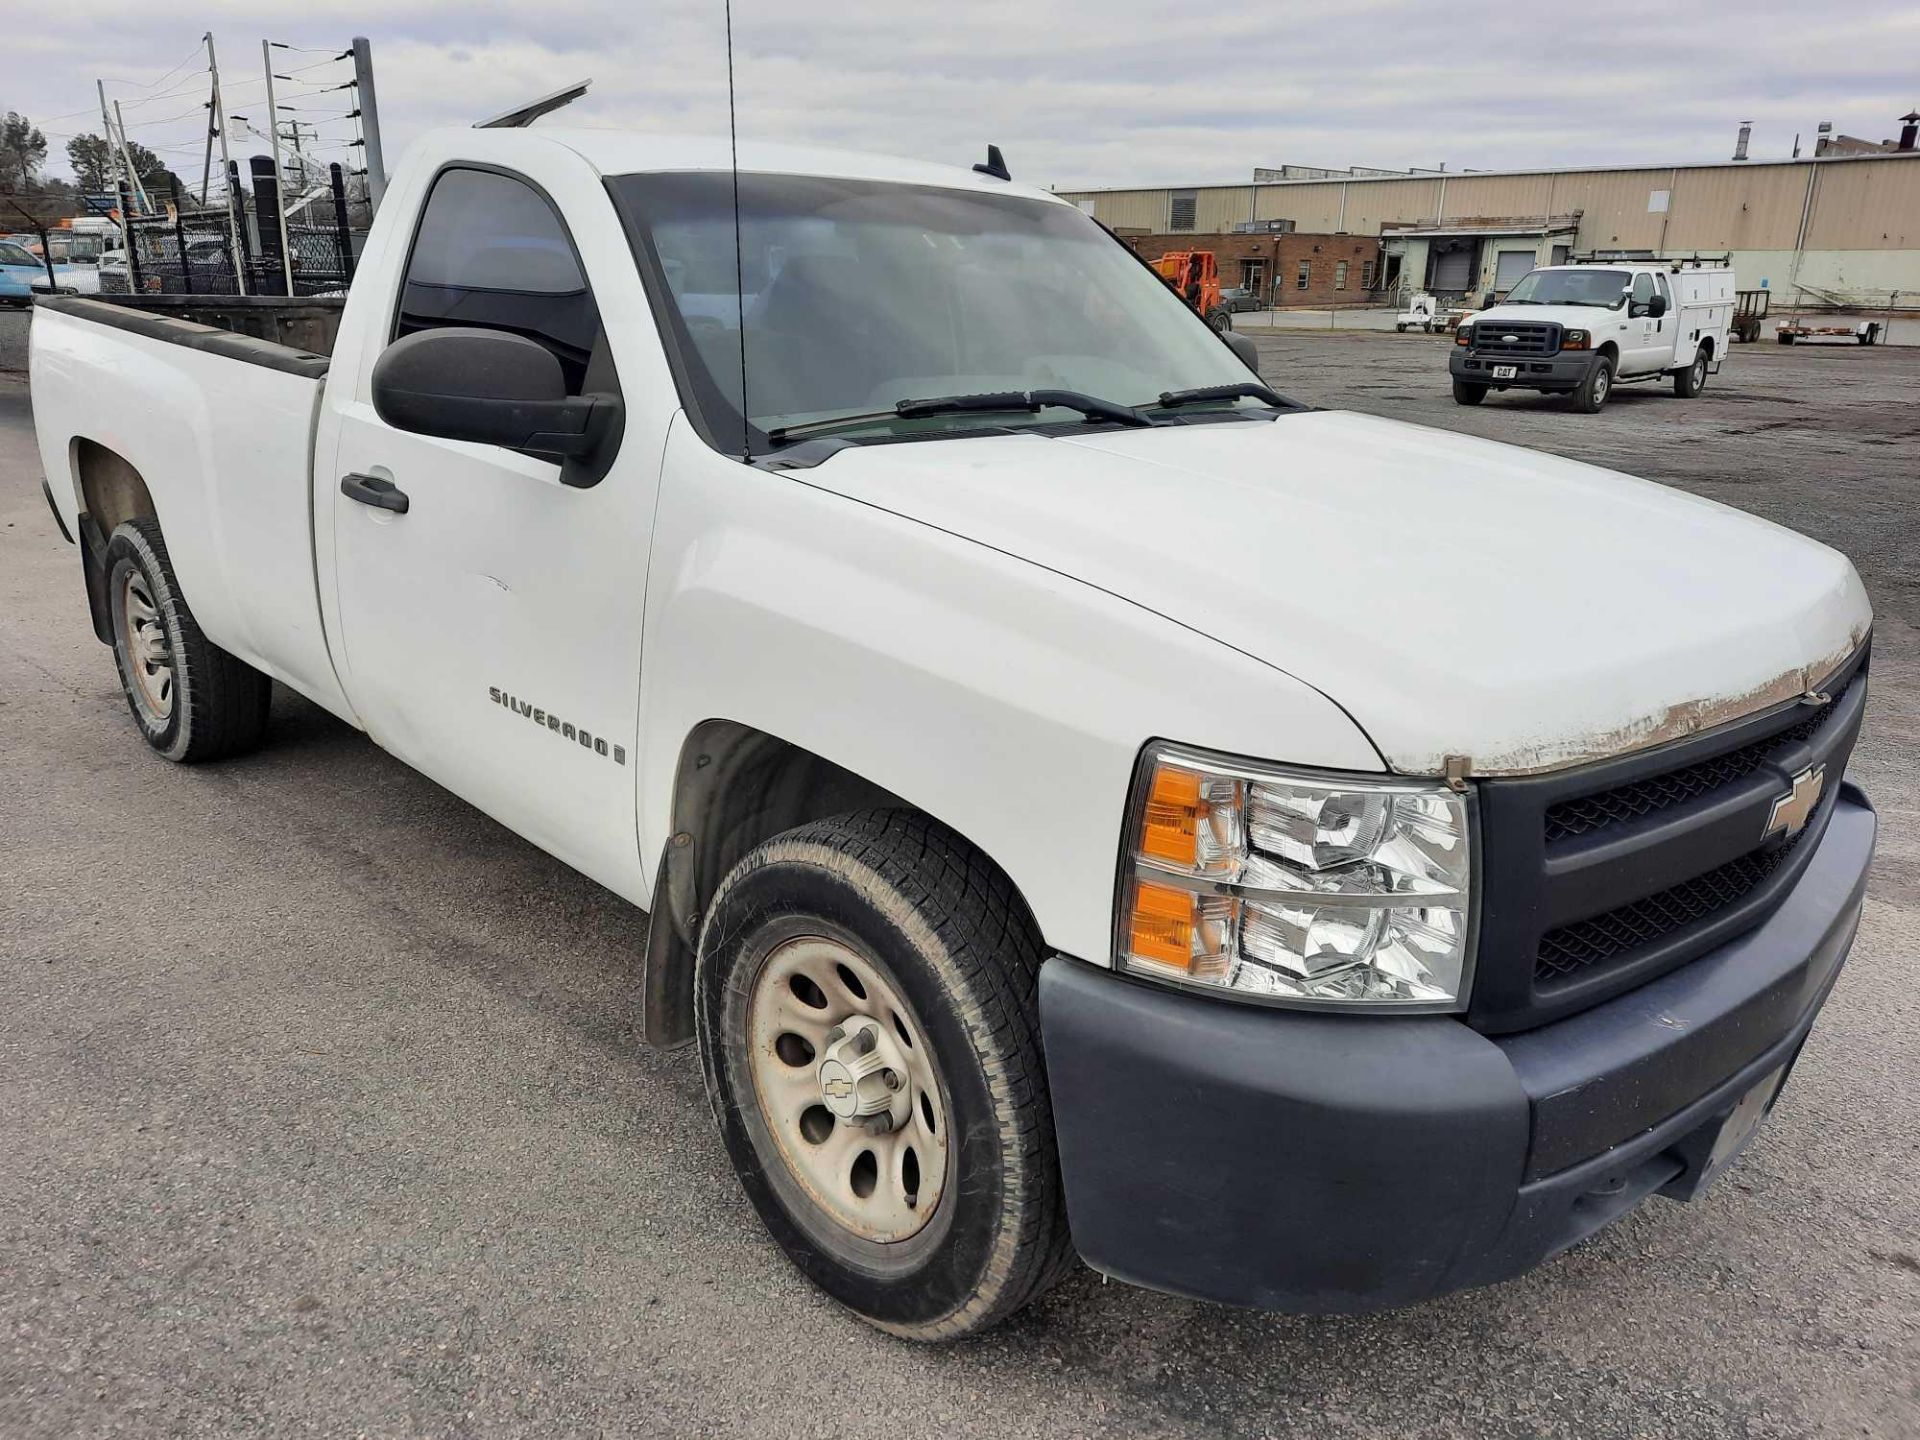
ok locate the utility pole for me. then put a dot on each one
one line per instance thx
(226, 166)
(279, 173)
(113, 159)
(144, 200)
(369, 120)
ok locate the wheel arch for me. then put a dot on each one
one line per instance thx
(111, 491)
(735, 787)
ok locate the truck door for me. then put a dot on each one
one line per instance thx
(491, 632)
(1650, 344)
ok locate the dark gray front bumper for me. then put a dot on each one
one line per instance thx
(1539, 372)
(1308, 1162)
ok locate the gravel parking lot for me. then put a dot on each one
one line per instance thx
(321, 1111)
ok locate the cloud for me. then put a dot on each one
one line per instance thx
(1078, 94)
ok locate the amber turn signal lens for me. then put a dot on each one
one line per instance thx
(1171, 832)
(1162, 924)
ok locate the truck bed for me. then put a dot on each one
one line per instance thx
(291, 334)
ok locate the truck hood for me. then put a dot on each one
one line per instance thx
(1574, 317)
(1454, 595)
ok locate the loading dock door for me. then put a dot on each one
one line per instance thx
(1511, 266)
(1452, 270)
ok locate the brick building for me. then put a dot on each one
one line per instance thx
(1285, 269)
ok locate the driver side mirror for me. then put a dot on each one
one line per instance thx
(1657, 306)
(494, 388)
(1248, 352)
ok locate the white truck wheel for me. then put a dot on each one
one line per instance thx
(865, 997)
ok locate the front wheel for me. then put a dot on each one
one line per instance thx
(1400, 329)
(1691, 381)
(1221, 321)
(1465, 392)
(1594, 387)
(192, 700)
(866, 1003)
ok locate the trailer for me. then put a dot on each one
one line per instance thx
(1749, 309)
(1791, 332)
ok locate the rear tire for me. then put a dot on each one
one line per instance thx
(886, 919)
(1465, 392)
(1595, 386)
(1221, 321)
(1399, 329)
(192, 700)
(1691, 381)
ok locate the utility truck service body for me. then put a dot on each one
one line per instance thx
(1581, 329)
(1083, 801)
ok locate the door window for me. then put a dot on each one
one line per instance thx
(1642, 293)
(491, 252)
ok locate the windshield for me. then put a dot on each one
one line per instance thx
(12, 254)
(1570, 287)
(861, 294)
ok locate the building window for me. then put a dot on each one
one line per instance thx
(1340, 275)
(1181, 205)
(1306, 275)
(1366, 275)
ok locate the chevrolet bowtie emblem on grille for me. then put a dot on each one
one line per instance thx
(1792, 810)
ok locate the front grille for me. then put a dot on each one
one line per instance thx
(1572, 948)
(1585, 814)
(1528, 338)
(1607, 876)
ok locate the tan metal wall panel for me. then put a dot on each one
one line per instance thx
(1866, 205)
(1736, 208)
(1313, 207)
(1476, 197)
(1222, 208)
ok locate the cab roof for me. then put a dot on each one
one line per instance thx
(627, 152)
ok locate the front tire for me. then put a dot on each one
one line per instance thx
(1221, 321)
(865, 995)
(1465, 392)
(1595, 386)
(192, 700)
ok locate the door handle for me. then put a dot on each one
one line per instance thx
(372, 490)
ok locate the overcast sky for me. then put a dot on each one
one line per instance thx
(1092, 92)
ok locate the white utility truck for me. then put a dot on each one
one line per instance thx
(1083, 800)
(1581, 329)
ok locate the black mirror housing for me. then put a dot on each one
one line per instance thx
(1657, 306)
(1243, 347)
(492, 388)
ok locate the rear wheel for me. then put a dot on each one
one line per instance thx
(867, 1016)
(1221, 321)
(1465, 392)
(191, 699)
(1691, 381)
(1595, 386)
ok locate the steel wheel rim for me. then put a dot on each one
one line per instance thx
(1700, 373)
(1602, 382)
(143, 632)
(880, 1185)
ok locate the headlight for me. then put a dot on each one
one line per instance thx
(1296, 887)
(1575, 340)
(1463, 336)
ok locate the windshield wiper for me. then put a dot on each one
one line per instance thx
(1091, 406)
(999, 401)
(1244, 390)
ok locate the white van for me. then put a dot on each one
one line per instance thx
(1585, 327)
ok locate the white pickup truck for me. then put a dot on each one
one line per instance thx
(1083, 801)
(1584, 328)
